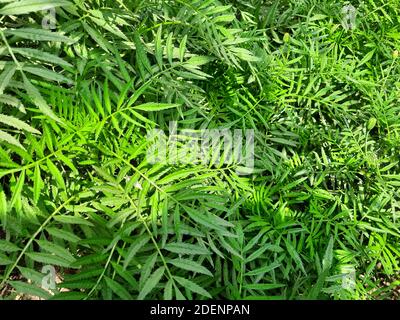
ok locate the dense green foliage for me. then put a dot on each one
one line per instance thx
(77, 192)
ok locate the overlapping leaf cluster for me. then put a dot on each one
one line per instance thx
(318, 217)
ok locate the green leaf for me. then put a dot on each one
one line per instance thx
(12, 101)
(245, 54)
(47, 258)
(16, 123)
(224, 18)
(56, 250)
(38, 35)
(18, 189)
(186, 248)
(168, 290)
(56, 174)
(181, 174)
(190, 265)
(152, 106)
(263, 286)
(47, 74)
(151, 282)
(30, 289)
(182, 48)
(371, 123)
(7, 246)
(118, 289)
(4, 136)
(188, 284)
(134, 248)
(37, 183)
(28, 6)
(63, 234)
(126, 275)
(107, 101)
(4, 260)
(295, 256)
(71, 295)
(97, 37)
(264, 269)
(38, 99)
(98, 18)
(41, 55)
(158, 47)
(198, 61)
(3, 205)
(170, 48)
(72, 220)
(6, 76)
(32, 275)
(143, 62)
(208, 220)
(328, 256)
(366, 58)
(90, 259)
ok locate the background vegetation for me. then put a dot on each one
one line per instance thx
(77, 192)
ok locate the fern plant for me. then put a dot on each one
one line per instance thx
(316, 218)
